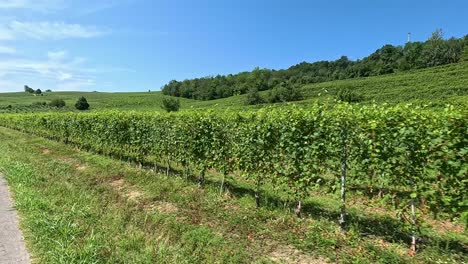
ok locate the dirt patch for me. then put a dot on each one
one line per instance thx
(125, 190)
(288, 254)
(80, 167)
(129, 192)
(164, 207)
(387, 246)
(444, 226)
(368, 206)
(117, 184)
(45, 151)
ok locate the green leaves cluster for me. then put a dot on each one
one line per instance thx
(170, 104)
(82, 104)
(59, 103)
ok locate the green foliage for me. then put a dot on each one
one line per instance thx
(401, 149)
(38, 104)
(28, 89)
(59, 103)
(284, 92)
(38, 92)
(464, 56)
(349, 96)
(82, 104)
(253, 97)
(385, 60)
(170, 104)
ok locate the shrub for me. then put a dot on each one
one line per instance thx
(347, 95)
(39, 104)
(82, 104)
(59, 103)
(284, 92)
(170, 104)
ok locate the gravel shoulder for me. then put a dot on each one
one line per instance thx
(12, 246)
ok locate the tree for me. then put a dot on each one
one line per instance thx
(38, 92)
(59, 103)
(253, 97)
(438, 51)
(437, 35)
(170, 104)
(28, 89)
(388, 59)
(48, 91)
(464, 56)
(82, 104)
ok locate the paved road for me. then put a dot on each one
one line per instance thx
(12, 247)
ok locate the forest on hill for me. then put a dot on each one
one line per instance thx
(435, 51)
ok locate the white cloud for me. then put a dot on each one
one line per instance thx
(48, 30)
(6, 34)
(12, 3)
(76, 85)
(7, 50)
(96, 7)
(57, 55)
(56, 72)
(63, 76)
(37, 5)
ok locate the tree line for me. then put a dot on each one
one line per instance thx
(388, 59)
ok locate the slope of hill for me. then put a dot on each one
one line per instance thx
(436, 86)
(439, 85)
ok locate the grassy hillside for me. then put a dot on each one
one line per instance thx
(445, 84)
(139, 101)
(435, 86)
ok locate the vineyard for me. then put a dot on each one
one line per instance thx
(435, 87)
(413, 158)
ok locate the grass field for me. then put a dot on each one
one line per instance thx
(434, 86)
(78, 207)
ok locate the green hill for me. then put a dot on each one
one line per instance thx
(436, 86)
(439, 85)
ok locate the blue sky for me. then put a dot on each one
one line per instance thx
(138, 45)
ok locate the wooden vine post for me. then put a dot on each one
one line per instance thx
(413, 219)
(344, 157)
